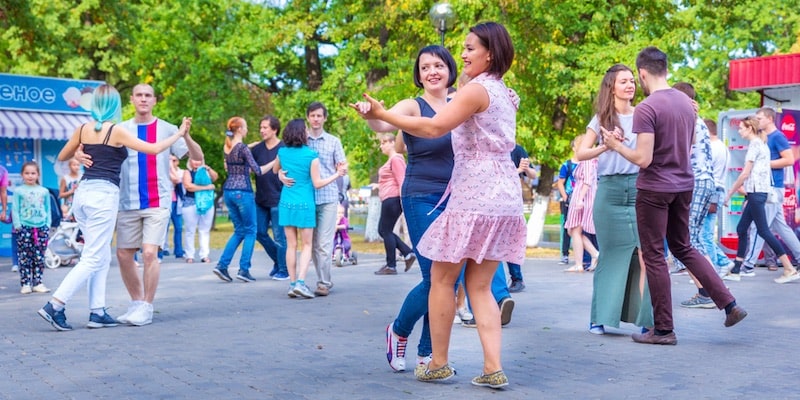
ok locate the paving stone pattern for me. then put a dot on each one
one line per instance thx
(217, 340)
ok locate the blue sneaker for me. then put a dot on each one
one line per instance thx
(274, 271)
(222, 273)
(56, 318)
(101, 321)
(280, 276)
(244, 276)
(597, 329)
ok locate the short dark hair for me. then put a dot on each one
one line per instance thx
(711, 125)
(274, 123)
(316, 106)
(294, 135)
(442, 54)
(767, 112)
(686, 88)
(496, 39)
(652, 60)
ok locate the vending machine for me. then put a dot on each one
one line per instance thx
(728, 131)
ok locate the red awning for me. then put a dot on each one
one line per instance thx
(765, 72)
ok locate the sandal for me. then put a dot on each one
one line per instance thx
(574, 268)
(205, 260)
(190, 260)
(772, 267)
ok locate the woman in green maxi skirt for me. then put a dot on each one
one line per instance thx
(620, 285)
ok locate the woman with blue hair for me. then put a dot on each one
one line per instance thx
(96, 203)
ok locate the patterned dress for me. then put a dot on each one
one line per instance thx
(483, 218)
(585, 174)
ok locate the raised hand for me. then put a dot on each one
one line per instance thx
(370, 108)
(186, 124)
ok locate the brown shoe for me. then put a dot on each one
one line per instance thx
(506, 308)
(651, 338)
(386, 270)
(736, 315)
(409, 259)
(322, 290)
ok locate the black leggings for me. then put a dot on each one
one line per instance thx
(390, 213)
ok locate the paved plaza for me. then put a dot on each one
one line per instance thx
(215, 340)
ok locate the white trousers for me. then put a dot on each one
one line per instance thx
(95, 207)
(192, 221)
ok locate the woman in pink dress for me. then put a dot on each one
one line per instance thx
(580, 218)
(483, 221)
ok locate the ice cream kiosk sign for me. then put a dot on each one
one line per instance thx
(42, 94)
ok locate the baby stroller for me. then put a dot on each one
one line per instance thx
(341, 250)
(64, 246)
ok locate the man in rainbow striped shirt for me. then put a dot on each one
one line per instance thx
(145, 204)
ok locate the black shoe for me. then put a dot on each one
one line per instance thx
(222, 273)
(517, 285)
(244, 276)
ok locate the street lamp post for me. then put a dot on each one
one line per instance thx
(442, 16)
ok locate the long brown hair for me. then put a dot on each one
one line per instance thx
(604, 105)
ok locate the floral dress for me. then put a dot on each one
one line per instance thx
(483, 218)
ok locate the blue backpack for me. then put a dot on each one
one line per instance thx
(203, 199)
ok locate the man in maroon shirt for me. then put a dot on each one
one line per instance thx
(664, 123)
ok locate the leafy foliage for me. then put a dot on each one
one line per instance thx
(213, 59)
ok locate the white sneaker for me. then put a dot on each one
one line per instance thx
(424, 360)
(395, 349)
(123, 319)
(732, 277)
(464, 314)
(26, 289)
(15, 268)
(40, 288)
(142, 315)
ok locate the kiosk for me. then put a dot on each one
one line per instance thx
(37, 115)
(777, 79)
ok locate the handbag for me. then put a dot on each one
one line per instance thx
(773, 197)
(203, 199)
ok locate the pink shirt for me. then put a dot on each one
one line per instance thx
(390, 177)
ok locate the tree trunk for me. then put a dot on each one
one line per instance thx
(313, 67)
(536, 219)
(373, 216)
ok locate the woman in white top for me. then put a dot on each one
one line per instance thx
(756, 179)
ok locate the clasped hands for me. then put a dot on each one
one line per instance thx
(612, 139)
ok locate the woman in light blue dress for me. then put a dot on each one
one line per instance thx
(297, 209)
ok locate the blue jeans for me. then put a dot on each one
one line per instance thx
(515, 271)
(176, 219)
(276, 248)
(242, 212)
(415, 306)
(754, 211)
(718, 257)
(499, 284)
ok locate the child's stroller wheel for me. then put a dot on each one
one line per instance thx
(51, 260)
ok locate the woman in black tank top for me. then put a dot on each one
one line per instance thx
(96, 203)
